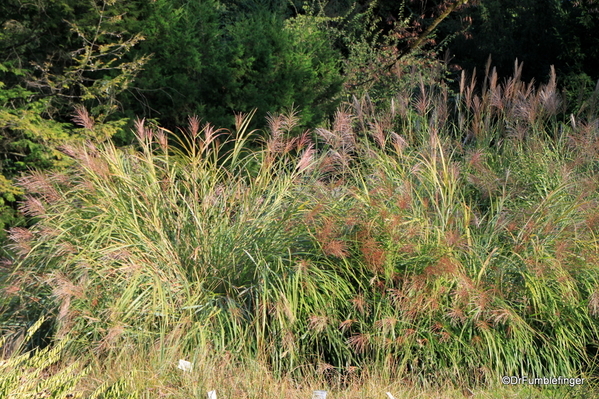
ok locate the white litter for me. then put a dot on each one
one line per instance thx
(390, 396)
(184, 365)
(212, 395)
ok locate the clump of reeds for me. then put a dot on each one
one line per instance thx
(426, 242)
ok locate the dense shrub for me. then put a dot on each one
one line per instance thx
(210, 63)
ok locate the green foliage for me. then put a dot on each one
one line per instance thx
(577, 39)
(69, 53)
(582, 95)
(432, 237)
(211, 63)
(293, 60)
(423, 253)
(539, 34)
(55, 57)
(392, 47)
(187, 60)
(28, 141)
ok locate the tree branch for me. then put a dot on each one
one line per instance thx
(418, 42)
(422, 38)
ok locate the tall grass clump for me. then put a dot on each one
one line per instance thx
(134, 242)
(436, 240)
